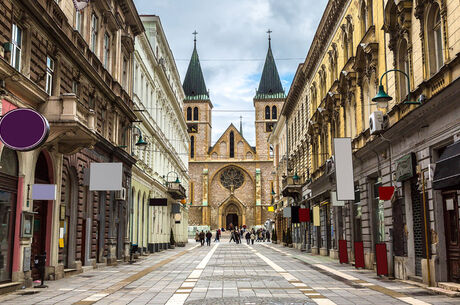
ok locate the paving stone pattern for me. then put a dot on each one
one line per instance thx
(234, 274)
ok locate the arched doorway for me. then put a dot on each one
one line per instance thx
(41, 208)
(8, 193)
(232, 216)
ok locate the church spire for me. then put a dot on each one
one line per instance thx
(270, 83)
(194, 85)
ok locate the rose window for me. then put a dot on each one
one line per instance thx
(232, 178)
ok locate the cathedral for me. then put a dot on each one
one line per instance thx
(231, 182)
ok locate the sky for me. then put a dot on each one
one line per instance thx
(232, 45)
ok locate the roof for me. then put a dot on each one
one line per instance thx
(231, 126)
(194, 85)
(270, 83)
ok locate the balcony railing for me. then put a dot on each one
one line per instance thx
(176, 190)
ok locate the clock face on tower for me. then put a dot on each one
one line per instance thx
(232, 178)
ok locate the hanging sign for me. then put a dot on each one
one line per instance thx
(271, 209)
(158, 202)
(344, 169)
(295, 214)
(304, 215)
(316, 221)
(105, 176)
(43, 191)
(386, 192)
(23, 129)
(335, 202)
(287, 212)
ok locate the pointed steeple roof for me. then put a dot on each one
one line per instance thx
(194, 85)
(270, 83)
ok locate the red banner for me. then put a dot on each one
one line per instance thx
(386, 192)
(343, 252)
(359, 254)
(381, 258)
(304, 215)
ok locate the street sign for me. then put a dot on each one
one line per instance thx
(23, 129)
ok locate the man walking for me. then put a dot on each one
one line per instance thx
(253, 237)
(208, 238)
(248, 237)
(217, 239)
(202, 238)
(268, 236)
(232, 236)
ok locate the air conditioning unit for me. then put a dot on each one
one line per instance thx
(376, 122)
(120, 195)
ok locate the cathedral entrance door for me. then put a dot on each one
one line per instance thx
(232, 219)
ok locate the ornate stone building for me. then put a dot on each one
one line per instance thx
(415, 147)
(231, 181)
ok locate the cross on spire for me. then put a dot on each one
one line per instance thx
(269, 38)
(194, 38)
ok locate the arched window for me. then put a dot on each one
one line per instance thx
(9, 162)
(195, 114)
(189, 113)
(274, 113)
(403, 65)
(267, 112)
(435, 39)
(192, 147)
(232, 145)
(345, 47)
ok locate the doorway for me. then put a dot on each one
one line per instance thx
(452, 229)
(41, 209)
(232, 220)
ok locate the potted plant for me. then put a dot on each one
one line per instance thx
(172, 242)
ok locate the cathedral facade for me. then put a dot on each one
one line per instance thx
(231, 182)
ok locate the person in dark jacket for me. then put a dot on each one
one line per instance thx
(268, 236)
(202, 238)
(248, 237)
(208, 238)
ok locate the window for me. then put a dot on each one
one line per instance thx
(267, 112)
(94, 33)
(192, 147)
(403, 63)
(16, 41)
(378, 214)
(232, 145)
(79, 21)
(106, 50)
(75, 87)
(195, 114)
(435, 40)
(345, 47)
(189, 113)
(274, 113)
(125, 72)
(49, 75)
(363, 18)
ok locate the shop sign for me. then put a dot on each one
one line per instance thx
(405, 167)
(158, 202)
(287, 212)
(335, 202)
(23, 129)
(271, 209)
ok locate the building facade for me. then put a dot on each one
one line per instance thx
(231, 181)
(158, 100)
(74, 67)
(331, 97)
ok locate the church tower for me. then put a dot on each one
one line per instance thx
(268, 102)
(197, 108)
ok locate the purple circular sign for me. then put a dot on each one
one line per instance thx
(23, 129)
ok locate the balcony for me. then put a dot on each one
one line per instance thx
(72, 125)
(176, 190)
(291, 186)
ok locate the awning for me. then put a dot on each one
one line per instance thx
(447, 172)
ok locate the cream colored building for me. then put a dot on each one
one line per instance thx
(158, 98)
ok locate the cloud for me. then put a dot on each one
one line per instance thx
(237, 30)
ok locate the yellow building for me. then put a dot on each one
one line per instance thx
(331, 96)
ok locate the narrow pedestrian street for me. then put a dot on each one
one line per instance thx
(227, 273)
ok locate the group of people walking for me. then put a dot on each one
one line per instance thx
(200, 237)
(236, 235)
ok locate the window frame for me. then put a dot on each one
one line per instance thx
(106, 50)
(94, 32)
(17, 35)
(50, 66)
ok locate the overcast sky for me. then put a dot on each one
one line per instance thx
(232, 45)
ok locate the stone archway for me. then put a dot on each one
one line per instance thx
(231, 211)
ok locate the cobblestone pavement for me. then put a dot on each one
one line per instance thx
(227, 274)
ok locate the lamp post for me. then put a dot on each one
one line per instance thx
(140, 140)
(382, 98)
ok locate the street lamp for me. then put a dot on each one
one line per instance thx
(295, 178)
(382, 98)
(140, 140)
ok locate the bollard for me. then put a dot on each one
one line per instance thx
(40, 263)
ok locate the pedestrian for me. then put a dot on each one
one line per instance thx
(268, 236)
(237, 235)
(202, 238)
(248, 237)
(208, 238)
(264, 235)
(217, 239)
(232, 236)
(253, 237)
(197, 236)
